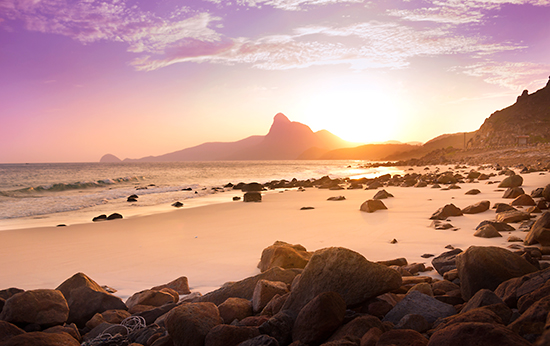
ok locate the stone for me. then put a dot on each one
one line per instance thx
(487, 231)
(252, 187)
(260, 340)
(446, 261)
(473, 192)
(513, 192)
(70, 329)
(418, 303)
(235, 309)
(236, 198)
(371, 337)
(8, 330)
(422, 287)
(189, 323)
(500, 207)
(245, 288)
(356, 328)
(345, 272)
(109, 316)
(402, 337)
(101, 217)
(477, 208)
(151, 298)
(252, 197)
(540, 231)
(336, 198)
(439, 225)
(512, 290)
(382, 194)
(372, 205)
(415, 322)
(41, 339)
(180, 285)
(444, 212)
(514, 239)
(482, 297)
(487, 267)
(86, 298)
(533, 210)
(546, 193)
(511, 181)
(275, 304)
(512, 216)
(43, 307)
(528, 299)
(114, 216)
(280, 326)
(533, 320)
(523, 200)
(177, 204)
(319, 318)
(499, 226)
(227, 335)
(264, 291)
(476, 333)
(284, 255)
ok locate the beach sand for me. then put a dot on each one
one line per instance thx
(223, 242)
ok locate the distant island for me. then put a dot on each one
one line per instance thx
(526, 122)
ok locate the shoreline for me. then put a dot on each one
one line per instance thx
(217, 243)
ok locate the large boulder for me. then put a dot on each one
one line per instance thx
(42, 339)
(235, 309)
(446, 261)
(86, 298)
(252, 196)
(44, 307)
(189, 323)
(372, 205)
(511, 181)
(514, 289)
(180, 285)
(477, 208)
(150, 298)
(356, 328)
(513, 192)
(444, 212)
(487, 267)
(420, 304)
(533, 320)
(476, 333)
(540, 231)
(524, 200)
(487, 231)
(8, 330)
(512, 216)
(284, 255)
(345, 272)
(546, 192)
(264, 291)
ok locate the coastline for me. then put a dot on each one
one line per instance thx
(217, 243)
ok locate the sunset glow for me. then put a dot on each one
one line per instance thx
(80, 79)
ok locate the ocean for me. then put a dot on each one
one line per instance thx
(50, 194)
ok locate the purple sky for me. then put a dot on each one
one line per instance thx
(79, 79)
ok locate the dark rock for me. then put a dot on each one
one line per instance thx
(473, 192)
(227, 335)
(8, 330)
(280, 326)
(114, 216)
(401, 261)
(382, 194)
(415, 322)
(188, 324)
(319, 318)
(372, 205)
(252, 197)
(9, 292)
(235, 309)
(546, 192)
(252, 187)
(446, 261)
(500, 207)
(511, 181)
(307, 208)
(284, 255)
(177, 204)
(264, 291)
(337, 198)
(523, 200)
(101, 217)
(528, 299)
(41, 339)
(438, 224)
(512, 216)
(44, 307)
(345, 272)
(499, 226)
(513, 192)
(540, 231)
(537, 193)
(275, 304)
(487, 267)
(421, 304)
(402, 337)
(482, 297)
(150, 298)
(444, 212)
(236, 198)
(427, 255)
(260, 340)
(371, 337)
(180, 285)
(132, 198)
(487, 231)
(477, 208)
(356, 328)
(109, 316)
(86, 298)
(533, 320)
(476, 333)
(512, 290)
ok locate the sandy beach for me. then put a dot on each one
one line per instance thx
(223, 242)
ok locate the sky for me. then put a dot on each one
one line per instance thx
(80, 79)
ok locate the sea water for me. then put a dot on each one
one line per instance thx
(49, 194)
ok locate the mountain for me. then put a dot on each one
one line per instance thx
(371, 152)
(286, 140)
(109, 158)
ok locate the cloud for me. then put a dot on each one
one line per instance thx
(288, 5)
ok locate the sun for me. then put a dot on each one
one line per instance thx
(353, 115)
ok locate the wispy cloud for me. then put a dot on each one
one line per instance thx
(288, 5)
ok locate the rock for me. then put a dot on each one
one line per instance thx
(235, 309)
(473, 192)
(546, 192)
(189, 323)
(180, 285)
(402, 337)
(44, 307)
(533, 210)
(533, 320)
(227, 335)
(109, 316)
(523, 200)
(280, 326)
(382, 194)
(540, 231)
(415, 322)
(275, 304)
(446, 261)
(284, 255)
(372, 205)
(512, 216)
(499, 226)
(511, 181)
(528, 299)
(422, 287)
(342, 271)
(371, 337)
(177, 204)
(444, 212)
(319, 318)
(513, 192)
(482, 297)
(236, 198)
(132, 198)
(438, 224)
(42, 339)
(151, 298)
(114, 216)
(264, 291)
(476, 333)
(487, 267)
(337, 198)
(512, 290)
(477, 208)
(101, 217)
(252, 197)
(86, 298)
(418, 303)
(252, 187)
(8, 330)
(307, 208)
(70, 329)
(245, 288)
(356, 328)
(260, 340)
(487, 231)
(514, 239)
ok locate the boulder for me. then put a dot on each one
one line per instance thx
(382, 194)
(284, 255)
(319, 318)
(235, 309)
(523, 200)
(513, 192)
(533, 320)
(252, 197)
(114, 216)
(8, 330)
(44, 307)
(446, 261)
(546, 192)
(444, 212)
(336, 198)
(420, 304)
(499, 226)
(70, 329)
(487, 231)
(473, 192)
(371, 337)
(487, 267)
(280, 326)
(227, 335)
(252, 187)
(500, 207)
(345, 272)
(512, 216)
(528, 299)
(275, 304)
(101, 217)
(356, 328)
(264, 291)
(402, 337)
(512, 290)
(372, 205)
(477, 208)
(438, 224)
(86, 298)
(189, 323)
(540, 231)
(476, 333)
(483, 297)
(42, 339)
(415, 322)
(180, 285)
(260, 340)
(109, 316)
(9, 292)
(511, 181)
(151, 298)
(177, 204)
